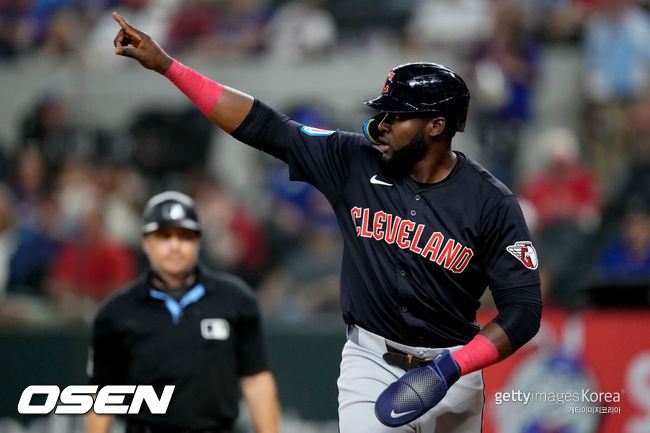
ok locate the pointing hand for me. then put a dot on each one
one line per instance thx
(131, 42)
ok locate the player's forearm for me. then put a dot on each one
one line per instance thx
(226, 107)
(261, 396)
(98, 423)
(497, 336)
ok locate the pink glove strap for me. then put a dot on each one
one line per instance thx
(202, 91)
(477, 354)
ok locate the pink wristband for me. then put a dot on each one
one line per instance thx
(202, 91)
(477, 354)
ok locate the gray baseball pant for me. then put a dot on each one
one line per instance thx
(365, 374)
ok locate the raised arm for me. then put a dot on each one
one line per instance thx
(226, 107)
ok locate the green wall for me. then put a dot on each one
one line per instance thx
(304, 358)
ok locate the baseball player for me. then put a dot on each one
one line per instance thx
(181, 326)
(425, 230)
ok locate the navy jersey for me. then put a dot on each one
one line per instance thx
(417, 257)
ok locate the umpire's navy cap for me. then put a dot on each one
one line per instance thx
(170, 209)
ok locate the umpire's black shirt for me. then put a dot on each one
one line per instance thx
(202, 343)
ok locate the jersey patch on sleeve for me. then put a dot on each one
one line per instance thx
(524, 251)
(316, 132)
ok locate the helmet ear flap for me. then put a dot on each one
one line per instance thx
(371, 127)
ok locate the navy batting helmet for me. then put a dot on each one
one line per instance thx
(170, 208)
(421, 88)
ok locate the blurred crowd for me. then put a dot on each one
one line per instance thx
(70, 198)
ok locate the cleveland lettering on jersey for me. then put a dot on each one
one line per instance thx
(406, 234)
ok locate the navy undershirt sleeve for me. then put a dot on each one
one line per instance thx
(511, 267)
(520, 313)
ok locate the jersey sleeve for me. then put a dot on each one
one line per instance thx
(321, 160)
(509, 254)
(105, 358)
(317, 156)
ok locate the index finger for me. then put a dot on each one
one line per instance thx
(120, 21)
(131, 31)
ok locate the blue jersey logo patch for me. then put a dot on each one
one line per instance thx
(316, 132)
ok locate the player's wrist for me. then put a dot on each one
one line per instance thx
(165, 65)
(475, 355)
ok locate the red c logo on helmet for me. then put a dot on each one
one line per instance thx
(389, 79)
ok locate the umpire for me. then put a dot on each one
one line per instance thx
(181, 326)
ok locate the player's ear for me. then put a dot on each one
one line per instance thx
(436, 126)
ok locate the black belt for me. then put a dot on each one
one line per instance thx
(404, 360)
(395, 357)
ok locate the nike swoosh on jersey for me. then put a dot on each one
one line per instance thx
(376, 181)
(394, 414)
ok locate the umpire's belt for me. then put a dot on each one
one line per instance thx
(396, 354)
